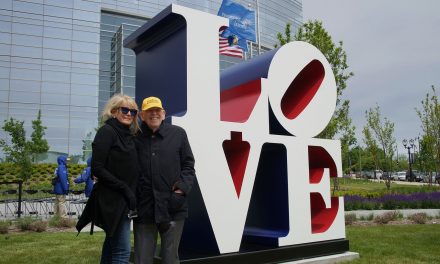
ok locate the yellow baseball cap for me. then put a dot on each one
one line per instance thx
(151, 102)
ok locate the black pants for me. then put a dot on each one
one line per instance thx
(145, 241)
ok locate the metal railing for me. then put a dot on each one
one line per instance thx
(16, 202)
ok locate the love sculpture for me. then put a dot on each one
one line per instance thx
(263, 191)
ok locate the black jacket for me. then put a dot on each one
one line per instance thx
(114, 164)
(166, 163)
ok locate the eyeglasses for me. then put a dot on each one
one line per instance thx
(125, 111)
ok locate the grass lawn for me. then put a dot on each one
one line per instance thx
(388, 244)
(47, 247)
(395, 244)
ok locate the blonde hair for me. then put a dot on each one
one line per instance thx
(116, 101)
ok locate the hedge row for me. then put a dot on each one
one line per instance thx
(41, 173)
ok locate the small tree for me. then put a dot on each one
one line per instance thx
(286, 38)
(427, 155)
(39, 144)
(87, 146)
(347, 137)
(429, 116)
(383, 131)
(19, 151)
(371, 146)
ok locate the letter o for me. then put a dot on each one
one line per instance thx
(302, 89)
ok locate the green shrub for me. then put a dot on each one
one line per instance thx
(38, 226)
(41, 173)
(4, 227)
(366, 218)
(386, 217)
(25, 223)
(350, 218)
(418, 218)
(60, 222)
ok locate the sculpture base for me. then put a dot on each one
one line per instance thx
(272, 255)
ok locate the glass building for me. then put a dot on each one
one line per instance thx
(66, 57)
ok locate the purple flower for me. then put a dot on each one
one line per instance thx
(394, 201)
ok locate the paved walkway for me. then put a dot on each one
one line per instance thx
(405, 182)
(404, 212)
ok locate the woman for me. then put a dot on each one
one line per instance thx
(114, 164)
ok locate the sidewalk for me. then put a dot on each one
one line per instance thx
(404, 212)
(405, 182)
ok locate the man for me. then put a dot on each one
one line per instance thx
(61, 187)
(167, 175)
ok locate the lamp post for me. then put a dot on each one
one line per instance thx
(418, 157)
(409, 145)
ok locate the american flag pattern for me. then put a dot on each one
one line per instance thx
(229, 50)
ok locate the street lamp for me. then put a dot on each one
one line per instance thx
(421, 163)
(409, 145)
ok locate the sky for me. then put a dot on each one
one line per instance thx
(393, 48)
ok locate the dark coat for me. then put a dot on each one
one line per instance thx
(166, 163)
(61, 187)
(114, 164)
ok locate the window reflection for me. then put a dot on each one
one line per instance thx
(57, 99)
(24, 97)
(25, 74)
(80, 100)
(62, 44)
(21, 51)
(58, 11)
(27, 7)
(57, 54)
(24, 40)
(84, 78)
(27, 86)
(58, 33)
(53, 76)
(50, 87)
(27, 29)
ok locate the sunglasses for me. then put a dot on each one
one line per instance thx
(125, 111)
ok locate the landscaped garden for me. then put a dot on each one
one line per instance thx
(39, 179)
(362, 194)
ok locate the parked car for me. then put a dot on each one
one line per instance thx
(399, 176)
(429, 175)
(379, 174)
(376, 174)
(418, 176)
(367, 174)
(387, 175)
(394, 176)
